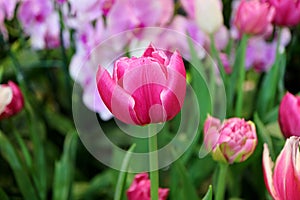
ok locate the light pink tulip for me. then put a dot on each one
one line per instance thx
(149, 89)
(284, 182)
(140, 189)
(254, 17)
(287, 12)
(289, 115)
(11, 100)
(232, 141)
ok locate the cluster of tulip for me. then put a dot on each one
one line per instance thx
(152, 88)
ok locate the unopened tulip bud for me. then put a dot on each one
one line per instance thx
(140, 189)
(289, 115)
(232, 141)
(209, 15)
(254, 17)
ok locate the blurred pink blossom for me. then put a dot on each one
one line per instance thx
(287, 12)
(41, 23)
(11, 100)
(140, 189)
(289, 115)
(253, 17)
(7, 9)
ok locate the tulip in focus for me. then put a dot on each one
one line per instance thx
(209, 15)
(140, 189)
(287, 12)
(289, 115)
(254, 17)
(149, 89)
(11, 100)
(232, 141)
(284, 182)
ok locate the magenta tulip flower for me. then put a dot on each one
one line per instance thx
(232, 141)
(254, 17)
(287, 12)
(284, 182)
(140, 189)
(289, 115)
(11, 100)
(149, 89)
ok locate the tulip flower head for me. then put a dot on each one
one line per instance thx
(11, 100)
(287, 12)
(254, 17)
(284, 181)
(140, 189)
(149, 89)
(232, 141)
(289, 115)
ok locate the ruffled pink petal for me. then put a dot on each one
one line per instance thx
(117, 100)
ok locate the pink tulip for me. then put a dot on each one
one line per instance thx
(254, 17)
(140, 189)
(284, 182)
(287, 12)
(149, 89)
(232, 141)
(11, 100)
(289, 115)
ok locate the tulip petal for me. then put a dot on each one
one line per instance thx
(267, 170)
(6, 95)
(117, 100)
(285, 181)
(211, 132)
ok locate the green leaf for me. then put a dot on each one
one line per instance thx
(3, 195)
(263, 133)
(182, 186)
(123, 174)
(20, 172)
(209, 194)
(64, 169)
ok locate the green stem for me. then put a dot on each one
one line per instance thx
(221, 181)
(153, 160)
(241, 77)
(215, 55)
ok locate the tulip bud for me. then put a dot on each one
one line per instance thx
(149, 89)
(287, 12)
(11, 100)
(140, 189)
(289, 115)
(209, 15)
(254, 17)
(284, 181)
(232, 141)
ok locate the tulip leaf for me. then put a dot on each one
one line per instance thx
(64, 169)
(3, 195)
(263, 133)
(182, 186)
(209, 193)
(123, 174)
(22, 177)
(272, 83)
